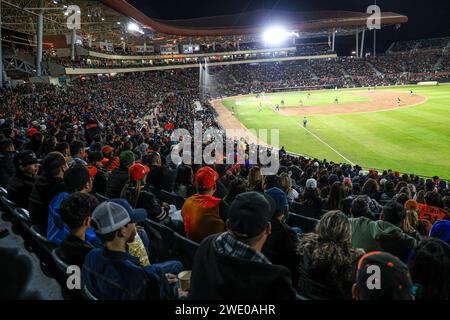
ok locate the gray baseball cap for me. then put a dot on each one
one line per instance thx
(113, 214)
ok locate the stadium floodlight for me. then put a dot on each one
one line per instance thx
(276, 35)
(133, 27)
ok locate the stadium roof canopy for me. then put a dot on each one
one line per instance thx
(254, 22)
(108, 20)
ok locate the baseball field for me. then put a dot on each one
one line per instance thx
(386, 128)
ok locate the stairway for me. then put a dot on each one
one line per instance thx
(374, 69)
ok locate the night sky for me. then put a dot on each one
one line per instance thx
(426, 18)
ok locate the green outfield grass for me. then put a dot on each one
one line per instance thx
(411, 140)
(292, 99)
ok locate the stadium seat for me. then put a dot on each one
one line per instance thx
(172, 198)
(299, 296)
(305, 211)
(59, 262)
(162, 240)
(305, 223)
(43, 249)
(185, 250)
(22, 215)
(155, 191)
(101, 198)
(3, 191)
(87, 295)
(8, 207)
(312, 290)
(40, 236)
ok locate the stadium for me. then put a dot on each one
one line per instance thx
(269, 152)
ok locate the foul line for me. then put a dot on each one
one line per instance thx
(318, 138)
(315, 136)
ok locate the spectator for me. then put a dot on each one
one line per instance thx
(21, 185)
(101, 177)
(237, 186)
(7, 168)
(202, 213)
(110, 273)
(49, 184)
(385, 234)
(64, 148)
(76, 211)
(286, 184)
(230, 265)
(76, 179)
(255, 179)
(334, 200)
(389, 191)
(158, 175)
(183, 181)
(441, 230)
(110, 162)
(359, 208)
(143, 198)
(270, 182)
(310, 199)
(281, 245)
(410, 223)
(394, 278)
(119, 176)
(371, 191)
(327, 256)
(430, 268)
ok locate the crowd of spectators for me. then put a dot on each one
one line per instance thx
(62, 147)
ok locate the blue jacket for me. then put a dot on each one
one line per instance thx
(114, 275)
(57, 230)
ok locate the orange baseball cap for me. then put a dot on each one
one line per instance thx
(206, 178)
(411, 205)
(92, 171)
(138, 171)
(107, 149)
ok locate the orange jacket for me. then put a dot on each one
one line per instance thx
(110, 164)
(432, 214)
(201, 217)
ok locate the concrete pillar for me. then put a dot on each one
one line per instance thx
(40, 32)
(1, 49)
(334, 40)
(357, 42)
(362, 43)
(72, 46)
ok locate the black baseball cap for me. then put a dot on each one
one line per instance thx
(395, 279)
(25, 157)
(95, 156)
(249, 214)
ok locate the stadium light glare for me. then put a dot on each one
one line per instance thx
(276, 35)
(133, 27)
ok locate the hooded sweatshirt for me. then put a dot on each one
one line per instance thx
(217, 276)
(381, 236)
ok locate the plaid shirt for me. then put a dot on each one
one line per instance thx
(228, 245)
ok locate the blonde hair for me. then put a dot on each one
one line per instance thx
(286, 182)
(410, 223)
(255, 178)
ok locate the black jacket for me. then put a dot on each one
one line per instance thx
(159, 178)
(221, 277)
(19, 189)
(74, 250)
(44, 190)
(100, 182)
(116, 182)
(7, 168)
(281, 248)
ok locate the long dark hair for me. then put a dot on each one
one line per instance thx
(430, 269)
